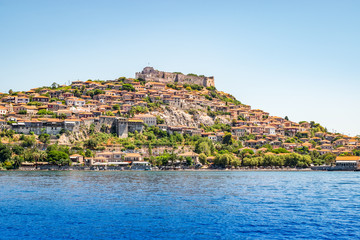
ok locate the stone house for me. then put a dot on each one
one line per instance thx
(239, 131)
(77, 159)
(41, 99)
(135, 125)
(148, 119)
(155, 85)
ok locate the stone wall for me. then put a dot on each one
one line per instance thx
(109, 122)
(149, 74)
(122, 127)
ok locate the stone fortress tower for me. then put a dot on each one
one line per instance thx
(149, 74)
(122, 127)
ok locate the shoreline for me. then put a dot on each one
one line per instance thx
(170, 170)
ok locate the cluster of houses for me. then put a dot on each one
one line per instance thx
(277, 131)
(67, 108)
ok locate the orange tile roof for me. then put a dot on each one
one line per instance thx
(348, 158)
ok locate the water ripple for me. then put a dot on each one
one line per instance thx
(179, 205)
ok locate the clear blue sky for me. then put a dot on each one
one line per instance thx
(294, 58)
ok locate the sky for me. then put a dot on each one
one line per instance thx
(290, 58)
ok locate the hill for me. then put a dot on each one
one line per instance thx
(166, 119)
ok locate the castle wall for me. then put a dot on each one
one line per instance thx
(209, 82)
(149, 74)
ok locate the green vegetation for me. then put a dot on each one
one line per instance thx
(44, 138)
(43, 112)
(173, 86)
(128, 87)
(95, 92)
(138, 109)
(193, 87)
(192, 74)
(213, 93)
(216, 126)
(34, 104)
(159, 120)
(58, 157)
(287, 160)
(316, 127)
(116, 107)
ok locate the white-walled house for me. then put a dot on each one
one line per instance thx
(270, 130)
(3, 110)
(73, 101)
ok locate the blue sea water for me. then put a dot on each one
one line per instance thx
(179, 205)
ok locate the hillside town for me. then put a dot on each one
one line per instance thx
(167, 120)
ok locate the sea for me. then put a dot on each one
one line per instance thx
(180, 205)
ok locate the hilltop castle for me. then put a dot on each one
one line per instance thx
(149, 74)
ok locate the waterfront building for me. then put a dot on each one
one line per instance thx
(348, 163)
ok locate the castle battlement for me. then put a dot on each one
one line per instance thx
(149, 74)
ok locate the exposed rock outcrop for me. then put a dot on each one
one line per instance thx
(176, 117)
(68, 139)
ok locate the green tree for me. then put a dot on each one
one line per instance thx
(204, 145)
(280, 150)
(45, 112)
(5, 152)
(224, 160)
(17, 161)
(204, 148)
(189, 161)
(159, 120)
(28, 142)
(246, 153)
(17, 149)
(91, 143)
(202, 159)
(235, 162)
(7, 164)
(250, 161)
(227, 139)
(54, 85)
(88, 153)
(92, 129)
(109, 113)
(328, 158)
(58, 157)
(9, 133)
(116, 107)
(44, 138)
(128, 87)
(98, 92)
